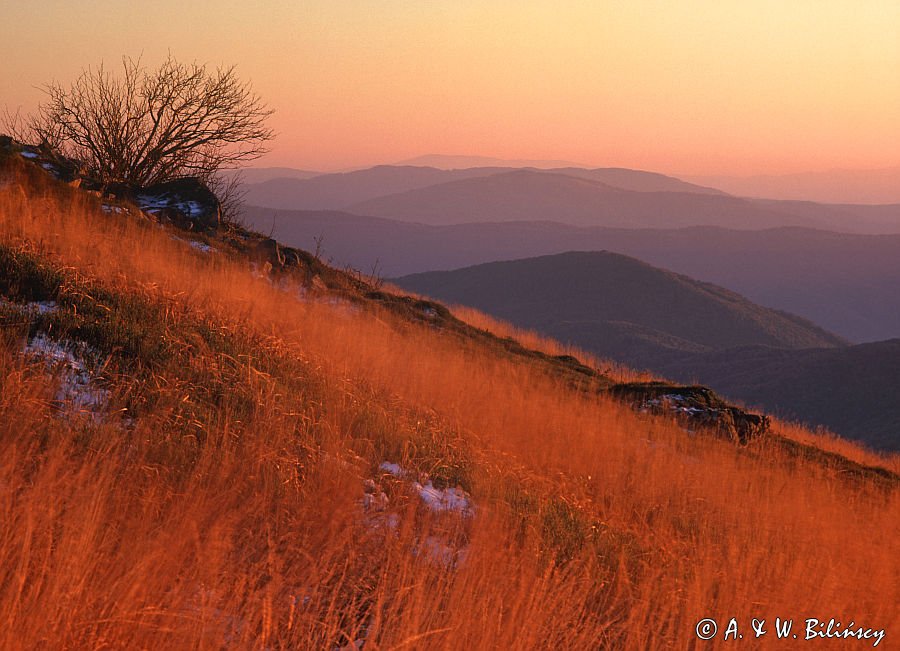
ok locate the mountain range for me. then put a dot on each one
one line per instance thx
(608, 197)
(844, 282)
(630, 312)
(618, 307)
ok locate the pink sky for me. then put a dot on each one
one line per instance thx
(693, 87)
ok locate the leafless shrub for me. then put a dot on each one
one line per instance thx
(146, 126)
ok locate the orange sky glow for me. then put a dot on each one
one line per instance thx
(693, 87)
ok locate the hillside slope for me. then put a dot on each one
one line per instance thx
(208, 443)
(618, 307)
(630, 312)
(850, 390)
(844, 282)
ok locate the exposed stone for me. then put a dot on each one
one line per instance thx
(187, 202)
(694, 405)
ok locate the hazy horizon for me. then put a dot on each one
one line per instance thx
(697, 89)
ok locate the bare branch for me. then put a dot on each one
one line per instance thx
(147, 126)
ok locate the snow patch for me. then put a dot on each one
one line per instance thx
(444, 545)
(28, 154)
(76, 386)
(447, 499)
(153, 202)
(438, 551)
(374, 499)
(203, 247)
(673, 402)
(41, 307)
(393, 468)
(437, 499)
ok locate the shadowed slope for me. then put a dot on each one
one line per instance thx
(851, 390)
(617, 306)
(844, 282)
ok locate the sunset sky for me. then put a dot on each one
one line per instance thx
(691, 87)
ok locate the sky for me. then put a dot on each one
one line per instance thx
(689, 87)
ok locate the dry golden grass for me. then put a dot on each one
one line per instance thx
(536, 341)
(228, 514)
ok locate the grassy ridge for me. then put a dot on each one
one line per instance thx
(219, 501)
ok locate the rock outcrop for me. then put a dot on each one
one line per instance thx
(693, 406)
(186, 202)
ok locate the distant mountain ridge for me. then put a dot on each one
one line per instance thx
(452, 162)
(608, 197)
(631, 312)
(261, 174)
(844, 282)
(850, 390)
(340, 191)
(618, 307)
(549, 195)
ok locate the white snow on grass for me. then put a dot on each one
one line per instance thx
(203, 247)
(41, 307)
(28, 154)
(442, 545)
(374, 499)
(76, 383)
(673, 402)
(393, 468)
(113, 209)
(437, 499)
(446, 499)
(151, 202)
(438, 551)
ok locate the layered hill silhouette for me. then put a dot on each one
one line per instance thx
(608, 197)
(618, 306)
(689, 331)
(261, 174)
(340, 191)
(843, 282)
(529, 195)
(462, 161)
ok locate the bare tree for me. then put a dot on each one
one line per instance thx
(149, 126)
